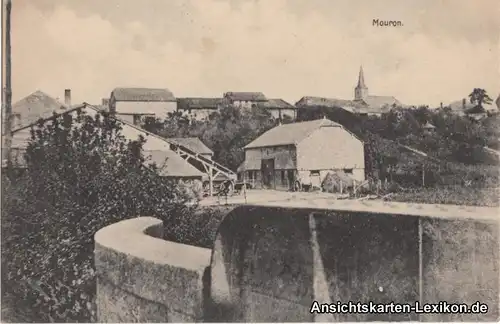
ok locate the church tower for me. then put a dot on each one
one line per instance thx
(361, 90)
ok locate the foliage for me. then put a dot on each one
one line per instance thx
(226, 132)
(82, 175)
(200, 228)
(480, 96)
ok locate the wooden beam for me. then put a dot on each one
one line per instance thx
(211, 184)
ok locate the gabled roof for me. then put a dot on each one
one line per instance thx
(245, 96)
(169, 164)
(35, 106)
(290, 134)
(192, 143)
(142, 94)
(198, 103)
(277, 104)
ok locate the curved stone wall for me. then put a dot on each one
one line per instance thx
(143, 278)
(270, 263)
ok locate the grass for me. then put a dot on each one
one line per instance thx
(455, 195)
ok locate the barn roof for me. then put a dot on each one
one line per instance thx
(169, 164)
(290, 134)
(142, 94)
(192, 143)
(245, 96)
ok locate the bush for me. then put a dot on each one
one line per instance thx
(197, 226)
(82, 175)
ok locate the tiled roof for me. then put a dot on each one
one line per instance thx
(192, 143)
(35, 106)
(198, 103)
(142, 94)
(170, 164)
(245, 96)
(277, 103)
(289, 134)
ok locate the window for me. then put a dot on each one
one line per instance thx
(348, 171)
(314, 172)
(137, 119)
(282, 176)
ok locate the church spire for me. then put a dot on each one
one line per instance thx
(361, 78)
(361, 90)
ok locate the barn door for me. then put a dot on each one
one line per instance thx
(267, 167)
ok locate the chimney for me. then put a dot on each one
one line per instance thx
(463, 103)
(67, 97)
(105, 102)
(441, 105)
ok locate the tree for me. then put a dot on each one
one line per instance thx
(82, 174)
(479, 97)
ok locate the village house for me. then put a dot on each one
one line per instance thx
(135, 104)
(279, 108)
(27, 111)
(244, 99)
(198, 108)
(37, 105)
(292, 155)
(363, 103)
(465, 108)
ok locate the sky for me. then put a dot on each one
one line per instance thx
(285, 49)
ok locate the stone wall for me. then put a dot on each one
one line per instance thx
(270, 263)
(142, 278)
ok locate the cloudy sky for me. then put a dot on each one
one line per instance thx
(286, 49)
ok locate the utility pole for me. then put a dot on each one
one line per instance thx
(8, 84)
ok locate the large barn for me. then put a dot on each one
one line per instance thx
(302, 153)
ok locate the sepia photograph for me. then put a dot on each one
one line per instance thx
(268, 161)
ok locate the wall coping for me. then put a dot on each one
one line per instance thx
(395, 208)
(133, 237)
